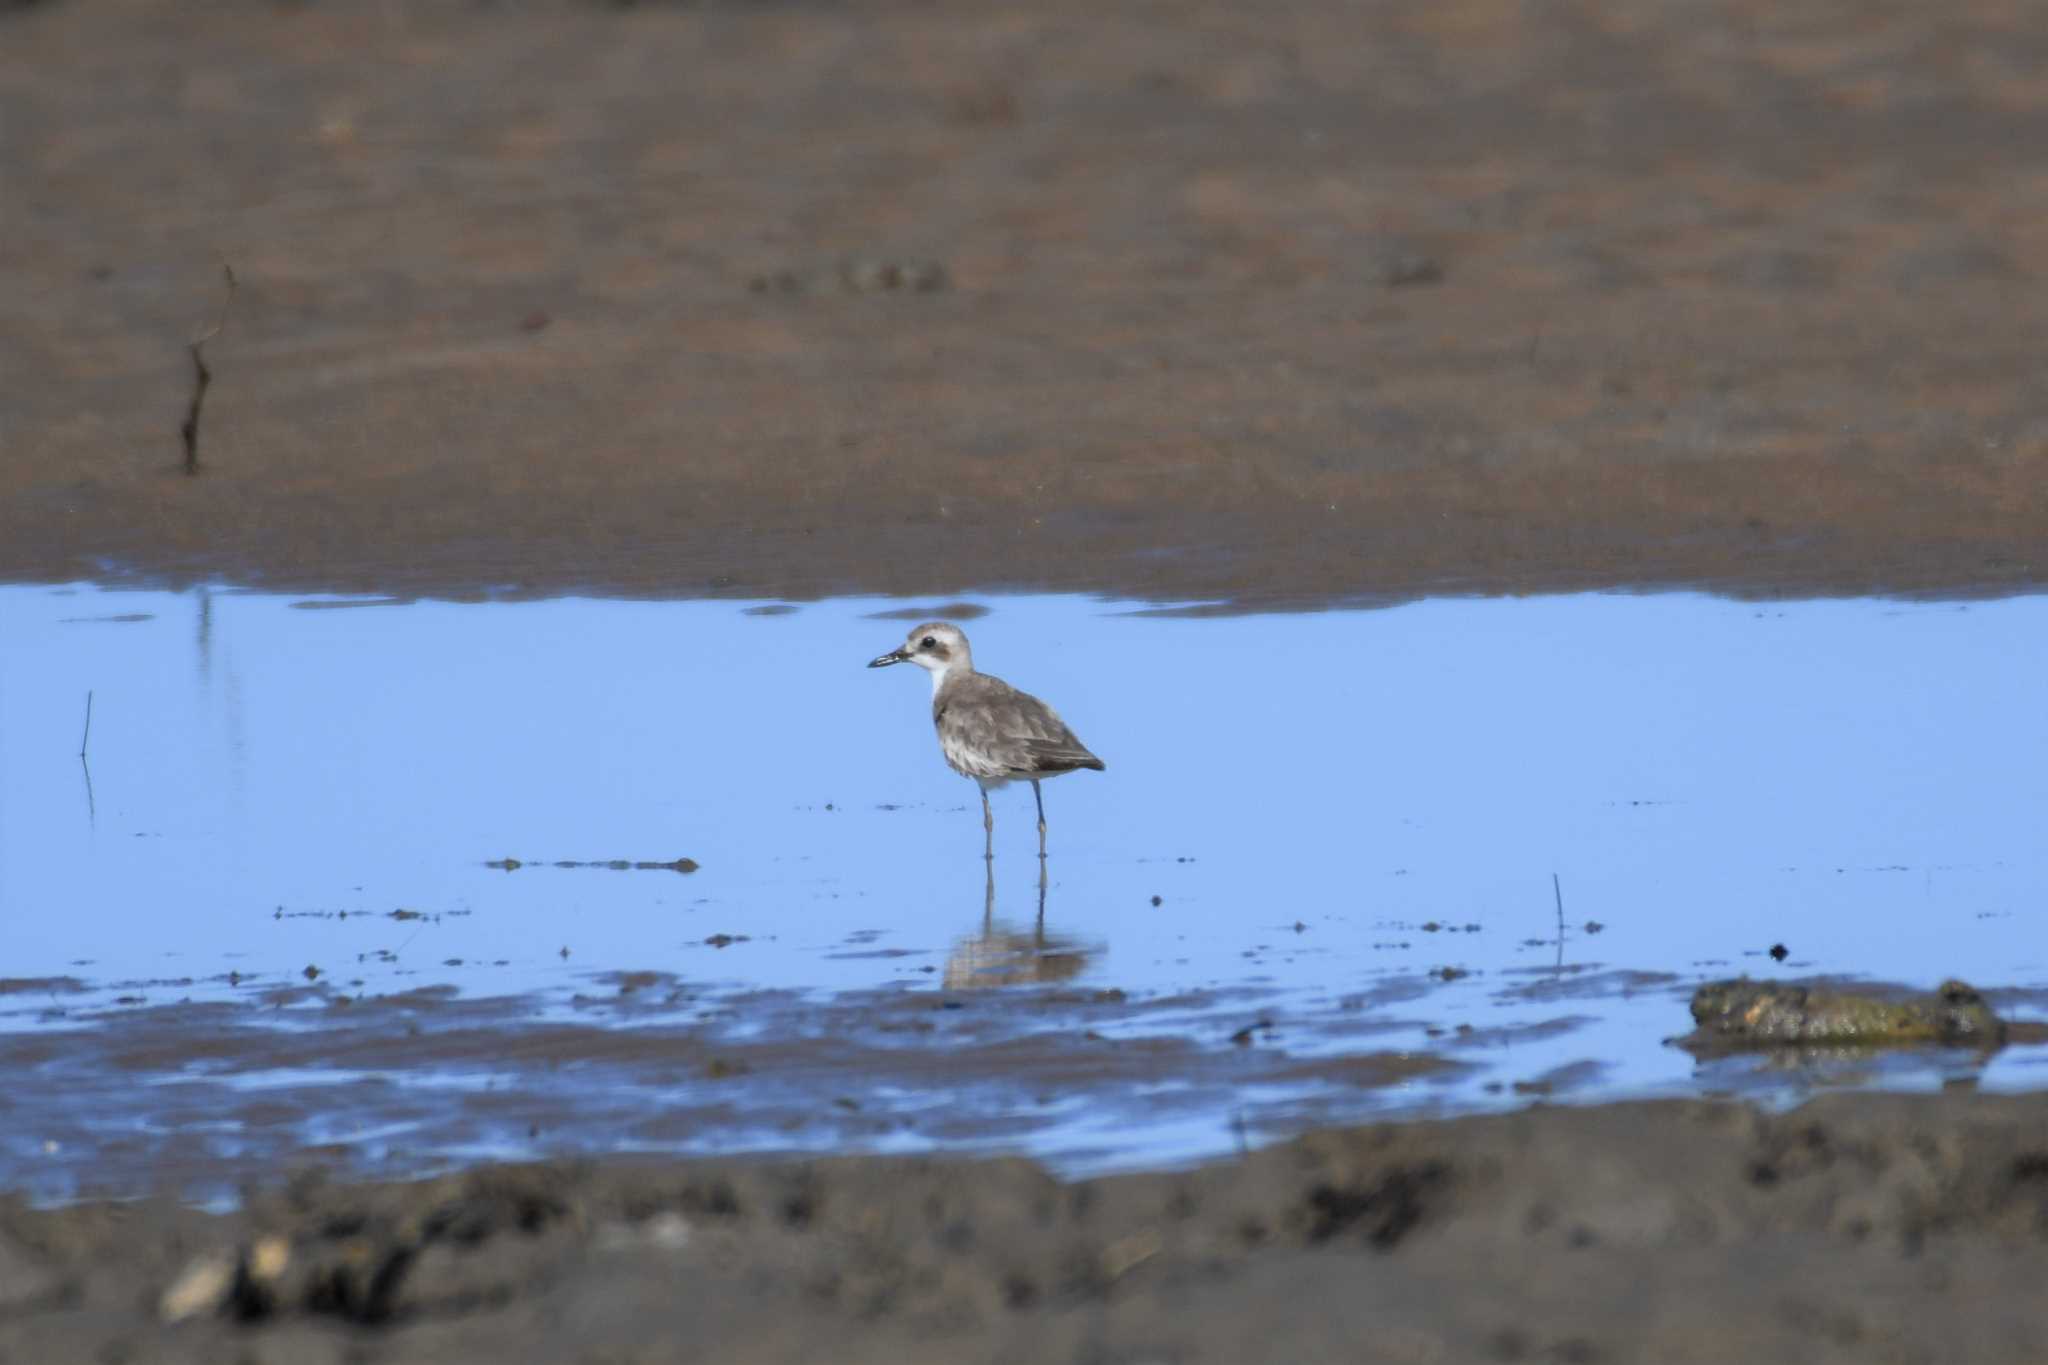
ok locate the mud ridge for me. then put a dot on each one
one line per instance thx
(1854, 1228)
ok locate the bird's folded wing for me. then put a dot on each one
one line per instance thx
(1057, 755)
(989, 723)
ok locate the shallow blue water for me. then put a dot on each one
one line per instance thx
(1324, 805)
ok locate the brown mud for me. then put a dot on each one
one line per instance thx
(1854, 1229)
(1179, 300)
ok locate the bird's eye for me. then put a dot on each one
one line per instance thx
(927, 643)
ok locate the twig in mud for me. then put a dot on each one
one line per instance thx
(201, 376)
(86, 739)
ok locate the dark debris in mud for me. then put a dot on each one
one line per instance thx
(41, 985)
(945, 611)
(608, 864)
(1741, 1015)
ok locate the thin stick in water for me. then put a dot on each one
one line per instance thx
(92, 807)
(1557, 890)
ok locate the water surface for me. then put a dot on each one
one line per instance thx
(306, 888)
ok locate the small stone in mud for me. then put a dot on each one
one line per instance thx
(202, 1288)
(534, 322)
(1779, 952)
(268, 1259)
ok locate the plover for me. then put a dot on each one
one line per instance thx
(988, 730)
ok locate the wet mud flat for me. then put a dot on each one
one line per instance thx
(1852, 1229)
(1330, 302)
(205, 1098)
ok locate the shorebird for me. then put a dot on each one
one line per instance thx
(988, 730)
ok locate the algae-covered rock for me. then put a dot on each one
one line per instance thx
(1743, 1014)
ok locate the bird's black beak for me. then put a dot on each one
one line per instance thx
(894, 656)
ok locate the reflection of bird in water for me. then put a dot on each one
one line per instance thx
(988, 730)
(1000, 956)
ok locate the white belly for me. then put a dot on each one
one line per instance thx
(971, 762)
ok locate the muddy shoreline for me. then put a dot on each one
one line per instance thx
(1854, 1228)
(1336, 304)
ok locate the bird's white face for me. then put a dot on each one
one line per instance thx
(935, 646)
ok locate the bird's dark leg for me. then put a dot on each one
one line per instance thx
(1039, 797)
(988, 827)
(1039, 933)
